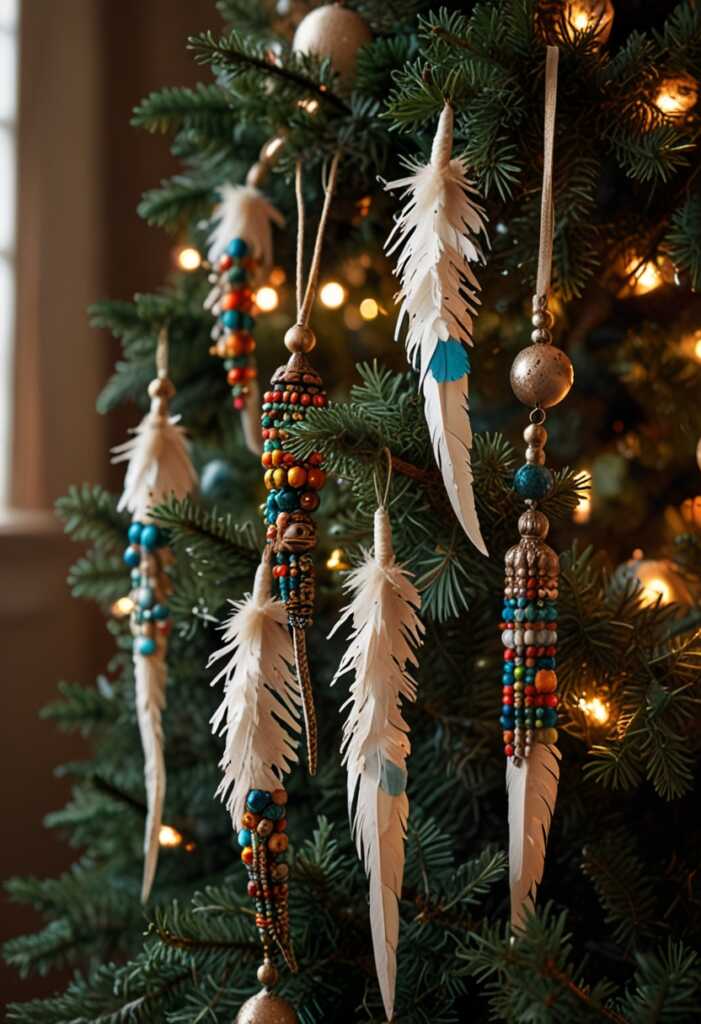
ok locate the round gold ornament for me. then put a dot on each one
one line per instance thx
(335, 32)
(541, 375)
(266, 1008)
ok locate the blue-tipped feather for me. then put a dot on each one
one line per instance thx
(450, 361)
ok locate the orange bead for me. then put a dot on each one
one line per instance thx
(545, 681)
(251, 372)
(247, 855)
(277, 456)
(279, 797)
(230, 300)
(249, 819)
(316, 478)
(277, 843)
(267, 458)
(297, 476)
(281, 825)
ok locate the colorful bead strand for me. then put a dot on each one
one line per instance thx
(146, 556)
(233, 305)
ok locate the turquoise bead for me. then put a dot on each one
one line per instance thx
(232, 319)
(257, 800)
(134, 533)
(237, 248)
(533, 482)
(244, 837)
(274, 812)
(288, 500)
(237, 275)
(145, 645)
(132, 557)
(150, 537)
(161, 611)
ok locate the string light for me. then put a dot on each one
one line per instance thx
(595, 16)
(582, 513)
(267, 299)
(655, 589)
(310, 106)
(277, 277)
(122, 607)
(594, 708)
(169, 836)
(337, 562)
(188, 258)
(642, 276)
(369, 309)
(332, 294)
(677, 96)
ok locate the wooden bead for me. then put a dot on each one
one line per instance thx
(535, 435)
(535, 456)
(541, 375)
(300, 339)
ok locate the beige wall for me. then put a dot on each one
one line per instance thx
(85, 63)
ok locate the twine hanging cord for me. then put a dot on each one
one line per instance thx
(547, 207)
(306, 296)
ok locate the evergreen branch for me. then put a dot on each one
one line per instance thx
(90, 513)
(205, 108)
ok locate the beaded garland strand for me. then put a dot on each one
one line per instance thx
(234, 307)
(146, 556)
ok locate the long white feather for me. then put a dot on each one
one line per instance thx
(158, 466)
(532, 791)
(159, 462)
(150, 680)
(244, 212)
(385, 631)
(260, 712)
(435, 238)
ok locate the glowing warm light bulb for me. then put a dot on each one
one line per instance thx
(336, 561)
(594, 708)
(369, 309)
(642, 276)
(332, 294)
(169, 836)
(277, 277)
(267, 299)
(188, 258)
(656, 589)
(589, 16)
(122, 607)
(677, 96)
(311, 106)
(582, 513)
(697, 348)
(272, 148)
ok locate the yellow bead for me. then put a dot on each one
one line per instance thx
(297, 477)
(279, 477)
(548, 736)
(268, 478)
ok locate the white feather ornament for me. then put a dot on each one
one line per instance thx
(435, 239)
(244, 212)
(385, 631)
(531, 785)
(159, 466)
(260, 712)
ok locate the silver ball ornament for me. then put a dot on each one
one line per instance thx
(541, 375)
(335, 32)
(266, 1008)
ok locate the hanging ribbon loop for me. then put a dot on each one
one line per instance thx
(547, 206)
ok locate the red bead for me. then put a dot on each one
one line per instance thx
(508, 736)
(252, 889)
(235, 375)
(277, 396)
(315, 459)
(528, 702)
(552, 700)
(529, 690)
(281, 570)
(250, 372)
(319, 400)
(231, 300)
(551, 651)
(507, 697)
(509, 750)
(225, 261)
(281, 824)
(294, 398)
(268, 396)
(285, 396)
(530, 594)
(539, 701)
(305, 399)
(532, 582)
(531, 652)
(239, 403)
(509, 655)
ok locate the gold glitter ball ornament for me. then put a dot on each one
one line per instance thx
(541, 375)
(335, 32)
(266, 1008)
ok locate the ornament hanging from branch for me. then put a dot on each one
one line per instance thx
(386, 630)
(241, 255)
(158, 467)
(437, 237)
(541, 376)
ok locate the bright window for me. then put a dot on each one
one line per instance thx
(9, 10)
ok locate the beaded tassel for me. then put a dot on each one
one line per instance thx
(293, 495)
(263, 838)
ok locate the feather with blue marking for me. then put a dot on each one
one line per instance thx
(438, 235)
(386, 630)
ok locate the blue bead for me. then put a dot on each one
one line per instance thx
(531, 613)
(450, 361)
(237, 275)
(506, 723)
(134, 533)
(550, 716)
(546, 662)
(145, 645)
(237, 248)
(150, 537)
(145, 615)
(519, 615)
(533, 481)
(257, 800)
(244, 837)
(145, 597)
(218, 479)
(271, 518)
(288, 500)
(274, 812)
(132, 557)
(161, 611)
(135, 576)
(522, 602)
(550, 614)
(247, 322)
(231, 319)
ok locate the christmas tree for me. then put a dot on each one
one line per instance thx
(615, 935)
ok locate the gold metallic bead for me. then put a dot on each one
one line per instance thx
(266, 1008)
(161, 387)
(535, 435)
(542, 318)
(533, 524)
(267, 974)
(300, 339)
(257, 174)
(540, 336)
(541, 375)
